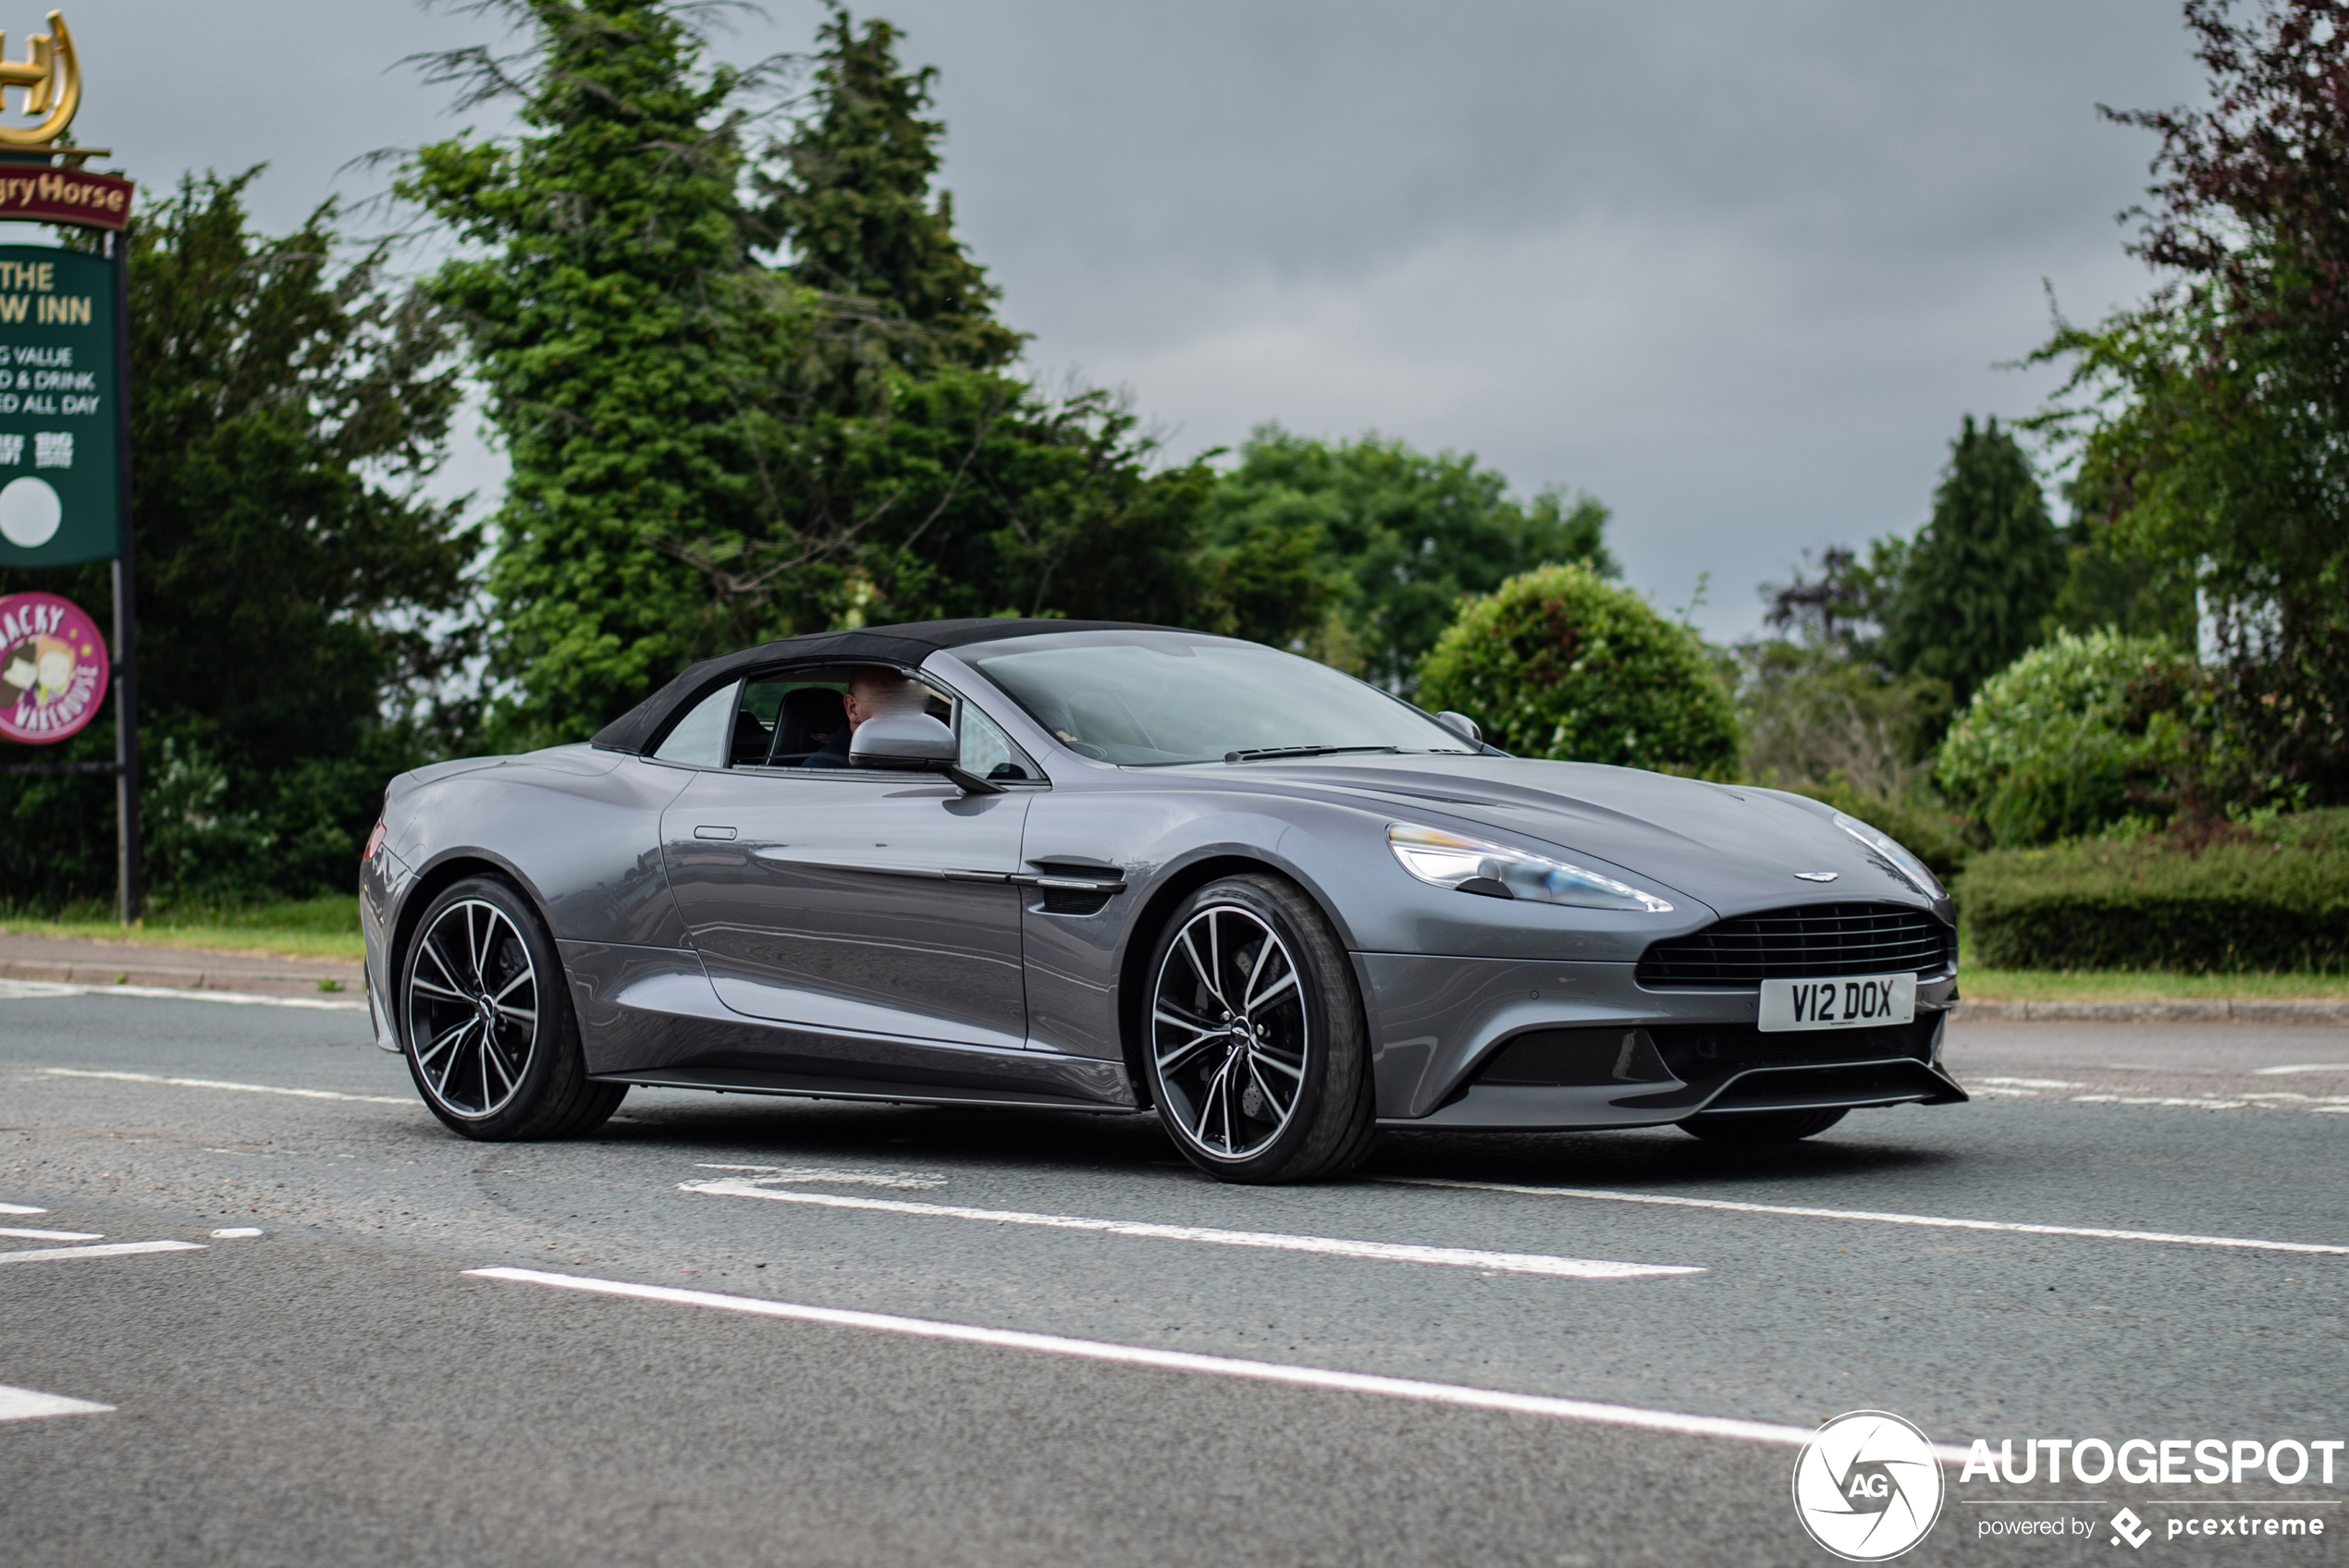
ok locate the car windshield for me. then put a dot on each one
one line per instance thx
(1159, 698)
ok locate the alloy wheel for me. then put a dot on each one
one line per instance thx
(472, 1008)
(1229, 1032)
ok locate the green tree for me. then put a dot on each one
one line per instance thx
(1561, 663)
(2211, 421)
(1981, 575)
(284, 407)
(851, 203)
(1400, 536)
(624, 341)
(709, 452)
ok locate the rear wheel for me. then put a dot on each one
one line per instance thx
(1760, 1126)
(487, 1024)
(1257, 1053)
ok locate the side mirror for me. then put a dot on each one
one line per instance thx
(913, 742)
(1461, 724)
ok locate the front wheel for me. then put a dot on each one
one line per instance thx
(1760, 1126)
(1257, 1053)
(488, 1030)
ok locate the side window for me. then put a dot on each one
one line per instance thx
(788, 718)
(987, 751)
(700, 737)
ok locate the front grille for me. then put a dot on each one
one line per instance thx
(1813, 942)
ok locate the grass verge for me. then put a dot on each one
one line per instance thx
(326, 926)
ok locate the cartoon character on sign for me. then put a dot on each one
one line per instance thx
(53, 668)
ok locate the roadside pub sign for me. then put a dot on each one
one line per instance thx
(59, 478)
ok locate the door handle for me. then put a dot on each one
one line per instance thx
(707, 831)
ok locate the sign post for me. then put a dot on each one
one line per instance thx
(65, 414)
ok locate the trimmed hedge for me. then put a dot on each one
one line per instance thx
(2270, 902)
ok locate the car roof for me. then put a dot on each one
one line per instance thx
(906, 645)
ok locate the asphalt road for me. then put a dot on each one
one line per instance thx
(342, 1388)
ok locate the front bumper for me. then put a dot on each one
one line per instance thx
(1440, 1028)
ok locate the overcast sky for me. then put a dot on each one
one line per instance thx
(1736, 268)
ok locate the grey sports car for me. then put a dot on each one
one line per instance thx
(1113, 867)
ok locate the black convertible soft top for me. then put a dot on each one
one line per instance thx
(906, 645)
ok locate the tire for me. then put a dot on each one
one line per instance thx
(1760, 1126)
(1218, 1073)
(486, 1024)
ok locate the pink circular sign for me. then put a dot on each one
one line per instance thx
(53, 668)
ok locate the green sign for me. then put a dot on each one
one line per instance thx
(60, 483)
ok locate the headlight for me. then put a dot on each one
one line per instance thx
(1890, 848)
(1471, 865)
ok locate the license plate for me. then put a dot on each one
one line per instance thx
(1858, 1002)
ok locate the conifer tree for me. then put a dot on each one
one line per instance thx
(1983, 574)
(851, 201)
(624, 340)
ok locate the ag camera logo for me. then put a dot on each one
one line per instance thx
(1867, 1487)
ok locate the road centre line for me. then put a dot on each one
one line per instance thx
(1940, 1221)
(27, 1404)
(20, 1208)
(1385, 1252)
(217, 1083)
(2301, 1067)
(112, 1249)
(22, 990)
(1588, 1411)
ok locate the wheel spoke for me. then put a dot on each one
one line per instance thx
(1181, 1056)
(1257, 1000)
(420, 983)
(1265, 1089)
(494, 1055)
(440, 961)
(456, 1051)
(1263, 954)
(508, 989)
(1294, 1072)
(527, 1015)
(488, 944)
(1207, 976)
(426, 1057)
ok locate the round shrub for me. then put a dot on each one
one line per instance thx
(2077, 736)
(1560, 663)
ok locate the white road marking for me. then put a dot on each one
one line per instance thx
(2034, 1082)
(217, 1084)
(2158, 1100)
(21, 989)
(1998, 1089)
(1590, 1411)
(27, 1404)
(1937, 1221)
(1385, 1252)
(20, 1208)
(54, 1235)
(236, 1232)
(112, 1249)
(818, 1173)
(2301, 1067)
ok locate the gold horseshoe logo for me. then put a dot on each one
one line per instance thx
(51, 77)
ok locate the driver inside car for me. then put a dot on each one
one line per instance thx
(872, 691)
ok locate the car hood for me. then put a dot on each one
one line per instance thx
(1736, 847)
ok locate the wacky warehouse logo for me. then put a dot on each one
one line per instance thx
(53, 668)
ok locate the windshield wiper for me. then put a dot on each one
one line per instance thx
(1259, 753)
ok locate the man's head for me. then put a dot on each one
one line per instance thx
(873, 690)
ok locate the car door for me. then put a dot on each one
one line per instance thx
(863, 901)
